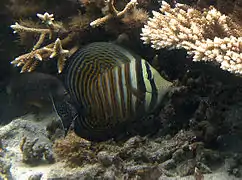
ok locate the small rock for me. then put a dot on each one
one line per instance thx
(170, 163)
(133, 142)
(107, 159)
(109, 175)
(178, 155)
(160, 155)
(35, 176)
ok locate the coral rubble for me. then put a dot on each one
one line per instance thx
(75, 151)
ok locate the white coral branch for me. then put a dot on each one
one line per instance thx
(197, 32)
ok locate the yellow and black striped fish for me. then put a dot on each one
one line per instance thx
(111, 86)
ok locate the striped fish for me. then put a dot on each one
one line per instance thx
(111, 86)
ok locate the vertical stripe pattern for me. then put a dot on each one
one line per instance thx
(112, 86)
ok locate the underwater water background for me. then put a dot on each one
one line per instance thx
(195, 134)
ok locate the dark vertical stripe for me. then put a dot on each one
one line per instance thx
(117, 92)
(153, 87)
(72, 73)
(121, 103)
(128, 88)
(94, 95)
(140, 103)
(103, 105)
(100, 108)
(83, 85)
(105, 100)
(113, 97)
(77, 77)
(108, 94)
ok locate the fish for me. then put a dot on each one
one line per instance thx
(111, 87)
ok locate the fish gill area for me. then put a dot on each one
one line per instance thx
(196, 134)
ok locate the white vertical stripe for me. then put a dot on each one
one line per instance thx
(102, 97)
(108, 93)
(134, 84)
(118, 96)
(124, 90)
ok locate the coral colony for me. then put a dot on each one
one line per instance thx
(207, 35)
(40, 53)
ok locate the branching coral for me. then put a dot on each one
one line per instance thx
(30, 60)
(136, 18)
(113, 12)
(206, 35)
(53, 36)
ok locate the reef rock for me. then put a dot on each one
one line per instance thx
(26, 153)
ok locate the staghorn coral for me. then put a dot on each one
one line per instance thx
(207, 35)
(30, 60)
(113, 12)
(135, 18)
(51, 36)
(130, 16)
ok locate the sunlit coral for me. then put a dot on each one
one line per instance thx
(207, 35)
(45, 37)
(113, 12)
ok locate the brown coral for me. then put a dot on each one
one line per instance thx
(136, 18)
(75, 151)
(30, 60)
(113, 12)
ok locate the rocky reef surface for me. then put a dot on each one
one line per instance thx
(199, 139)
(196, 135)
(137, 158)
